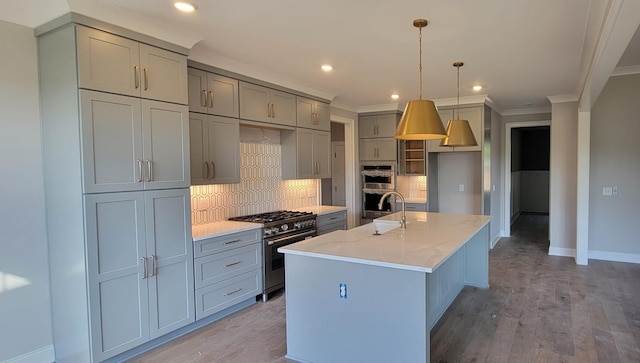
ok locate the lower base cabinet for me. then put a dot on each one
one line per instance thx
(140, 254)
(330, 222)
(228, 270)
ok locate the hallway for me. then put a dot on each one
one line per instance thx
(539, 308)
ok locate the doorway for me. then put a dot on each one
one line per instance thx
(513, 180)
(343, 133)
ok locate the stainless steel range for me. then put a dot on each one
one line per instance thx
(280, 228)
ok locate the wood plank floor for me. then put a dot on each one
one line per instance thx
(539, 308)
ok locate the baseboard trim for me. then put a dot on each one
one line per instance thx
(495, 240)
(563, 252)
(614, 256)
(45, 354)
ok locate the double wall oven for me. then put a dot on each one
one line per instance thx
(377, 180)
(280, 228)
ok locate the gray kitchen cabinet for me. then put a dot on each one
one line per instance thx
(228, 270)
(140, 259)
(213, 94)
(377, 126)
(116, 170)
(312, 114)
(378, 149)
(110, 63)
(329, 222)
(264, 104)
(474, 115)
(215, 149)
(306, 154)
(132, 144)
(412, 206)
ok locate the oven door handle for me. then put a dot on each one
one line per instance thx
(297, 236)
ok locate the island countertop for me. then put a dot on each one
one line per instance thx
(428, 240)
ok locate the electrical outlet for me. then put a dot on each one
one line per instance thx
(461, 187)
(614, 190)
(607, 191)
(343, 290)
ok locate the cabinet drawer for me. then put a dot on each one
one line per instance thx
(332, 227)
(217, 297)
(221, 266)
(330, 218)
(221, 243)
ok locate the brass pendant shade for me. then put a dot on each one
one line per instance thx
(459, 131)
(420, 120)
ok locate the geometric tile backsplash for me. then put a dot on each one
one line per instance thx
(260, 190)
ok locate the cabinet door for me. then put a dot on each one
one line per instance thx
(198, 92)
(387, 149)
(368, 149)
(222, 95)
(112, 154)
(118, 295)
(306, 113)
(166, 145)
(386, 125)
(254, 102)
(323, 114)
(367, 127)
(224, 150)
(322, 154)
(170, 252)
(107, 62)
(163, 75)
(306, 167)
(283, 111)
(199, 146)
(434, 145)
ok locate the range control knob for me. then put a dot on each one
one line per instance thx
(284, 227)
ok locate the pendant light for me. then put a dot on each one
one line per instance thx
(420, 120)
(458, 131)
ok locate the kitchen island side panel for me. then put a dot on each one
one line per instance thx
(382, 317)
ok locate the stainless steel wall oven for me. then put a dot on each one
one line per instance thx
(377, 180)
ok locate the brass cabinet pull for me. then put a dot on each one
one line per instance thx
(153, 266)
(146, 78)
(203, 99)
(268, 110)
(273, 111)
(211, 99)
(136, 76)
(206, 163)
(144, 267)
(233, 292)
(149, 170)
(232, 241)
(139, 170)
(213, 170)
(232, 264)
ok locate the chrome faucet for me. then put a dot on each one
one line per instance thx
(403, 218)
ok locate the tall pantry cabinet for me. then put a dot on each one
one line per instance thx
(115, 132)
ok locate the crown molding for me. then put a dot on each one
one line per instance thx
(466, 100)
(526, 111)
(343, 106)
(625, 71)
(380, 108)
(563, 98)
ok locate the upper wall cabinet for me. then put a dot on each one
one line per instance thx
(472, 114)
(213, 94)
(313, 114)
(111, 63)
(306, 154)
(264, 104)
(377, 126)
(215, 149)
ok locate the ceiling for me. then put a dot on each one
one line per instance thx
(520, 51)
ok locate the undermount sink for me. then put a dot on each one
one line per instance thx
(383, 226)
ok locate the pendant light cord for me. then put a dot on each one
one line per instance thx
(420, 66)
(458, 67)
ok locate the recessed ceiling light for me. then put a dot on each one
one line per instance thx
(477, 87)
(395, 96)
(327, 67)
(187, 7)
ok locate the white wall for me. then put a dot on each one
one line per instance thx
(562, 180)
(615, 160)
(455, 169)
(25, 312)
(496, 180)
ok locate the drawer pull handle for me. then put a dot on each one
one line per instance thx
(144, 267)
(233, 292)
(333, 218)
(232, 264)
(230, 242)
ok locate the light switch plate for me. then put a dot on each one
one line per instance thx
(608, 191)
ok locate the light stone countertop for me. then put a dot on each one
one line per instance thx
(428, 240)
(204, 231)
(321, 209)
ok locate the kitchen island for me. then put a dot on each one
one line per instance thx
(373, 293)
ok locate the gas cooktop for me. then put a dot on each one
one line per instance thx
(283, 215)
